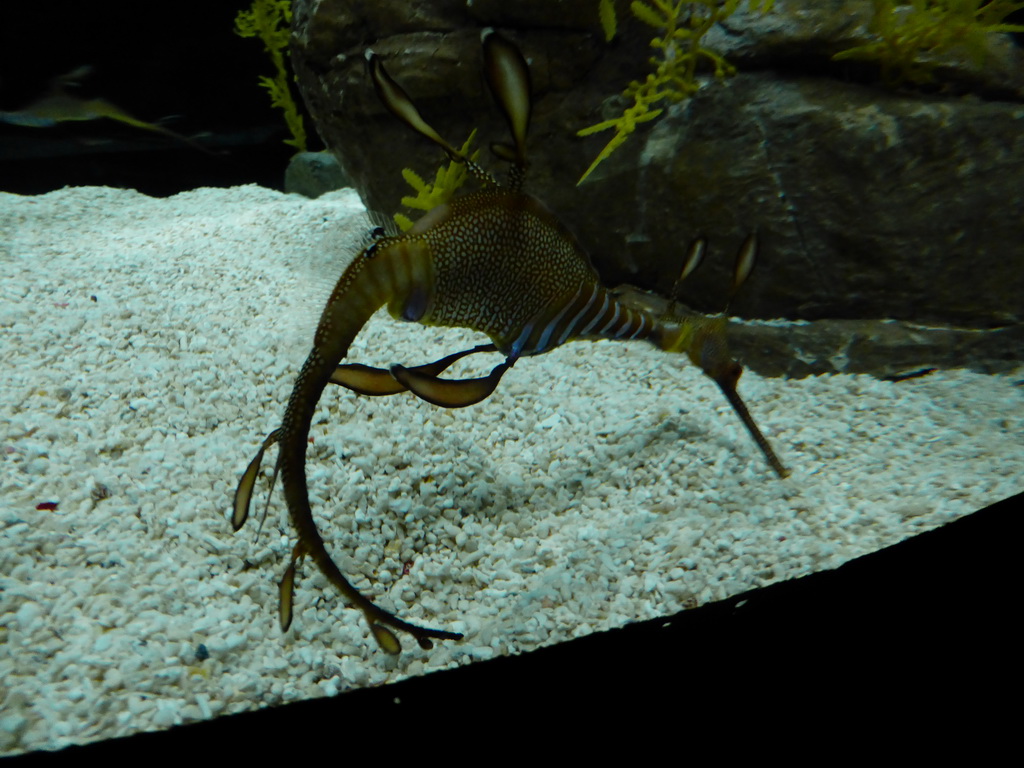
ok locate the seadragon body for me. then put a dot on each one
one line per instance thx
(494, 261)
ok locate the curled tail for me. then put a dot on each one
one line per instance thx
(399, 276)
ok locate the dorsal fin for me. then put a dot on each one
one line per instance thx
(746, 257)
(398, 102)
(400, 105)
(509, 79)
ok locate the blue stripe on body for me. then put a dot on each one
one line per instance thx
(579, 316)
(542, 343)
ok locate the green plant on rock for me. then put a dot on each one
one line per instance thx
(268, 20)
(911, 36)
(447, 181)
(681, 27)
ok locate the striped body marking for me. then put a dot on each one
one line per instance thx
(494, 261)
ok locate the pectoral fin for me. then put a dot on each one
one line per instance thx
(449, 393)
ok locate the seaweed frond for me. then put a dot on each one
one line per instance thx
(681, 26)
(447, 181)
(606, 11)
(911, 36)
(268, 20)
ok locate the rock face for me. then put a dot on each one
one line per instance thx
(311, 174)
(871, 204)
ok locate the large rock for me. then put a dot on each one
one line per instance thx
(870, 204)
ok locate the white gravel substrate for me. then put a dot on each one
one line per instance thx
(148, 345)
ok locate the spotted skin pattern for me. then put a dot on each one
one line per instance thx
(494, 261)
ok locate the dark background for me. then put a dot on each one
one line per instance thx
(177, 63)
(922, 631)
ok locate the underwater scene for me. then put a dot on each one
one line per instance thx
(483, 329)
